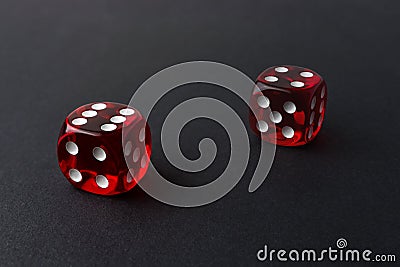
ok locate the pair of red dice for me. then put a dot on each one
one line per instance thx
(289, 101)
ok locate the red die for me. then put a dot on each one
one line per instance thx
(91, 153)
(296, 97)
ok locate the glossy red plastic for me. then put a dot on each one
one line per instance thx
(90, 151)
(294, 99)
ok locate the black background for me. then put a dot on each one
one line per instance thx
(57, 55)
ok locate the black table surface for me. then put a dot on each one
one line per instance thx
(57, 55)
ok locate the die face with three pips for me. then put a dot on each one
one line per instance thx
(296, 98)
(91, 152)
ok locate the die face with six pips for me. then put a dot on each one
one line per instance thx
(90, 151)
(296, 98)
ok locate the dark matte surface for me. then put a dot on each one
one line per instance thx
(57, 55)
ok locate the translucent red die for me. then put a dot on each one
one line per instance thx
(290, 105)
(90, 151)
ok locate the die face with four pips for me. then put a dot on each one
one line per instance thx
(296, 98)
(90, 151)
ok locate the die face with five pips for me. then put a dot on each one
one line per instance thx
(91, 152)
(296, 98)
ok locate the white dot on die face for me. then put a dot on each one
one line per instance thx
(127, 111)
(79, 121)
(275, 117)
(287, 132)
(323, 92)
(263, 101)
(128, 148)
(99, 154)
(75, 175)
(129, 176)
(289, 107)
(306, 74)
(313, 102)
(297, 84)
(89, 113)
(281, 69)
(262, 126)
(99, 106)
(108, 127)
(321, 107)
(312, 117)
(271, 79)
(102, 181)
(71, 148)
(143, 162)
(142, 135)
(118, 119)
(321, 118)
(310, 132)
(136, 155)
